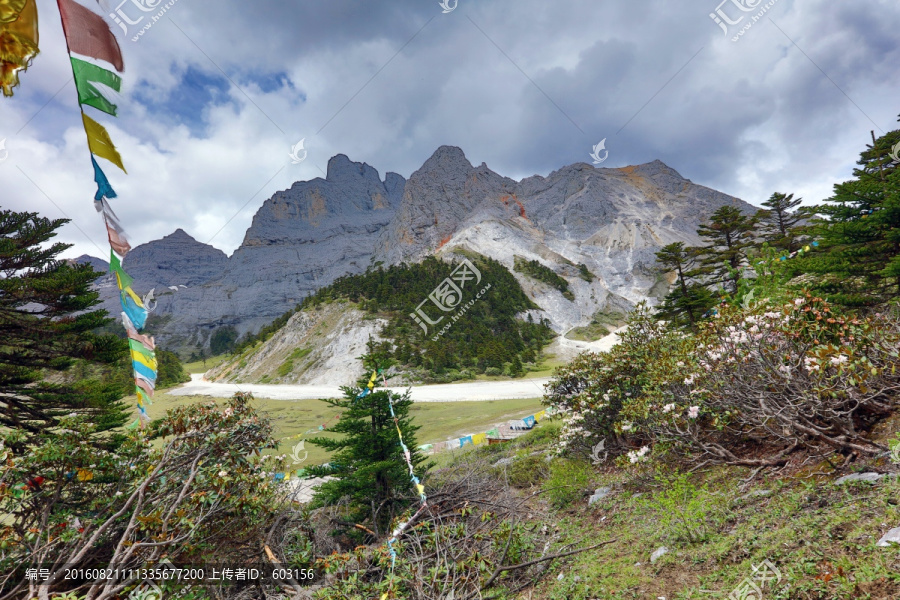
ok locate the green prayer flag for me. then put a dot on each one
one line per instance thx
(139, 348)
(86, 76)
(115, 265)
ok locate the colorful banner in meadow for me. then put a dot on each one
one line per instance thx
(96, 64)
(502, 432)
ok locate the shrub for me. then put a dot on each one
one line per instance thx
(776, 376)
(526, 471)
(202, 492)
(685, 512)
(567, 482)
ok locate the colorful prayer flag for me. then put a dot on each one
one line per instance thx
(88, 34)
(87, 79)
(104, 190)
(100, 143)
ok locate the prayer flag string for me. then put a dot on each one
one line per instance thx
(88, 35)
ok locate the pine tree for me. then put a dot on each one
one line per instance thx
(45, 325)
(728, 233)
(859, 236)
(515, 367)
(367, 459)
(779, 221)
(689, 298)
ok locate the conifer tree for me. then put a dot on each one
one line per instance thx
(368, 461)
(46, 322)
(779, 221)
(689, 299)
(859, 236)
(728, 233)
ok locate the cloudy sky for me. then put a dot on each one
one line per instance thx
(217, 91)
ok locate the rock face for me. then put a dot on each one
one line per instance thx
(300, 240)
(316, 347)
(611, 220)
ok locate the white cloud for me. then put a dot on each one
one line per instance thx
(748, 118)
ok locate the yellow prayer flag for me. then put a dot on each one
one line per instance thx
(85, 475)
(135, 297)
(100, 143)
(147, 362)
(540, 415)
(479, 438)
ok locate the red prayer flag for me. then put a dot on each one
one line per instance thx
(88, 34)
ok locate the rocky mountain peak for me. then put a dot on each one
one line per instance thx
(447, 158)
(176, 259)
(343, 170)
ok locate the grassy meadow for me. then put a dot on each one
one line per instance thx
(439, 421)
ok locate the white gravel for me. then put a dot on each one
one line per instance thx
(471, 391)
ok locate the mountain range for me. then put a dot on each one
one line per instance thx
(612, 220)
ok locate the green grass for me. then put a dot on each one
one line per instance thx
(439, 421)
(803, 524)
(198, 366)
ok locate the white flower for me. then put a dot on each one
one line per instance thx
(785, 369)
(689, 380)
(118, 493)
(636, 455)
(606, 397)
(694, 412)
(223, 473)
(626, 426)
(668, 408)
(679, 364)
(798, 301)
(839, 360)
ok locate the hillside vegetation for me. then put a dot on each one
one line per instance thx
(486, 338)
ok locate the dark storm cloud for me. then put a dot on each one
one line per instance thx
(218, 92)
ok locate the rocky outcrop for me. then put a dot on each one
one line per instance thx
(611, 220)
(321, 346)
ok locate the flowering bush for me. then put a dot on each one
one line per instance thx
(202, 494)
(773, 376)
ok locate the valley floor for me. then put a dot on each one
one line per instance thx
(468, 391)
